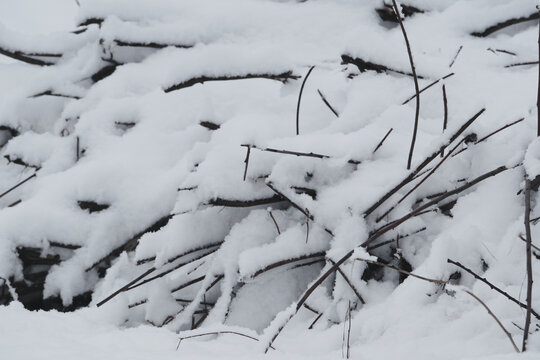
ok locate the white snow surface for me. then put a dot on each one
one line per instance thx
(126, 142)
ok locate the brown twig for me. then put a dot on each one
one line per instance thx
(432, 171)
(298, 153)
(246, 161)
(493, 287)
(26, 58)
(494, 317)
(455, 57)
(416, 87)
(275, 222)
(529, 262)
(522, 64)
(327, 103)
(16, 186)
(498, 130)
(282, 77)
(445, 105)
(382, 141)
(300, 99)
(427, 87)
(419, 168)
(499, 26)
(348, 281)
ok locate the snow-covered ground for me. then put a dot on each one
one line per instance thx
(164, 163)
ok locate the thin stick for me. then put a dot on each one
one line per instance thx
(522, 64)
(432, 171)
(493, 287)
(348, 281)
(216, 333)
(494, 317)
(538, 93)
(427, 87)
(445, 103)
(382, 141)
(525, 240)
(529, 262)
(349, 334)
(327, 103)
(455, 56)
(297, 153)
(498, 130)
(16, 186)
(125, 287)
(419, 168)
(300, 99)
(246, 161)
(275, 222)
(416, 87)
(77, 148)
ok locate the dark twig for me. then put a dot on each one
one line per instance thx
(493, 287)
(217, 333)
(494, 317)
(419, 168)
(26, 58)
(348, 281)
(538, 93)
(246, 161)
(432, 171)
(16, 186)
(427, 87)
(445, 104)
(297, 153)
(529, 262)
(282, 77)
(327, 103)
(416, 87)
(284, 262)
(153, 45)
(245, 203)
(382, 141)
(455, 56)
(498, 130)
(364, 66)
(295, 205)
(77, 148)
(499, 26)
(522, 64)
(300, 99)
(125, 287)
(51, 93)
(275, 222)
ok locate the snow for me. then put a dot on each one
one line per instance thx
(128, 143)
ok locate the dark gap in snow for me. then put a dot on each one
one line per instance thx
(103, 73)
(210, 125)
(92, 206)
(19, 161)
(386, 12)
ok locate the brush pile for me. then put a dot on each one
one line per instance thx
(222, 168)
